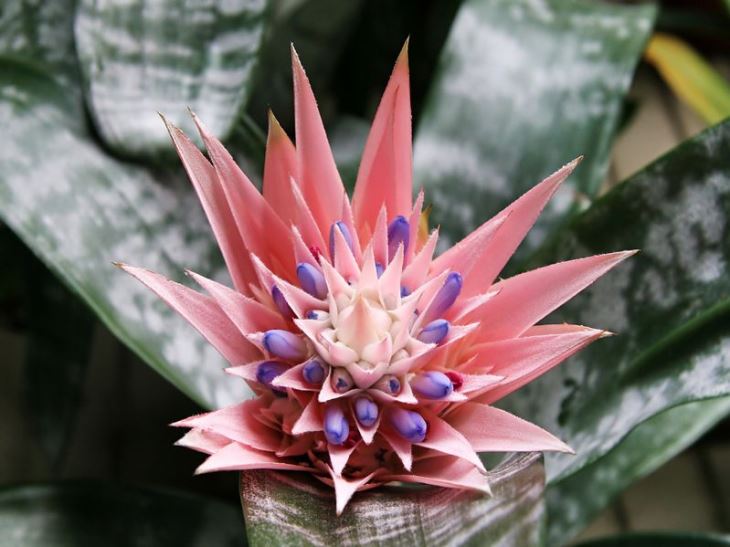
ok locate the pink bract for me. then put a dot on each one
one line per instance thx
(372, 360)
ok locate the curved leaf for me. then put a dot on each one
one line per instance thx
(92, 513)
(79, 210)
(692, 78)
(58, 329)
(41, 32)
(282, 509)
(318, 29)
(522, 88)
(573, 502)
(166, 56)
(669, 304)
(59, 335)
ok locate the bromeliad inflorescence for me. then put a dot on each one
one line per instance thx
(372, 360)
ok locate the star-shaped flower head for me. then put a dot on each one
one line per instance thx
(371, 359)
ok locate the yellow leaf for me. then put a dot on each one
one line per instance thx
(690, 77)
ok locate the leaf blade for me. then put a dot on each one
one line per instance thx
(670, 304)
(692, 78)
(80, 212)
(501, 113)
(166, 57)
(282, 508)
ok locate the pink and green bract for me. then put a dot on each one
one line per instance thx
(371, 359)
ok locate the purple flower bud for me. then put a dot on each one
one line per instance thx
(409, 424)
(379, 269)
(312, 314)
(339, 225)
(281, 302)
(366, 411)
(285, 344)
(434, 332)
(336, 428)
(267, 371)
(313, 372)
(399, 232)
(389, 384)
(341, 380)
(432, 385)
(311, 280)
(447, 294)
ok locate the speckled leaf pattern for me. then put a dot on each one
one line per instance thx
(289, 509)
(668, 304)
(522, 88)
(93, 513)
(573, 502)
(145, 57)
(41, 32)
(80, 210)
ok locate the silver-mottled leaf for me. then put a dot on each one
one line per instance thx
(292, 509)
(79, 210)
(668, 304)
(573, 502)
(143, 57)
(522, 88)
(41, 32)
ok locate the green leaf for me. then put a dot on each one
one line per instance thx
(318, 29)
(348, 135)
(141, 59)
(522, 88)
(41, 32)
(58, 330)
(573, 502)
(59, 336)
(92, 513)
(79, 210)
(691, 78)
(281, 509)
(660, 539)
(669, 304)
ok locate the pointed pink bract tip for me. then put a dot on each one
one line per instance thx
(275, 130)
(402, 60)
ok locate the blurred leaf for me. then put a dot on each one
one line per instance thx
(165, 56)
(59, 336)
(281, 509)
(79, 210)
(347, 136)
(41, 32)
(520, 89)
(13, 308)
(384, 26)
(92, 513)
(58, 330)
(660, 539)
(572, 503)
(669, 304)
(318, 29)
(691, 77)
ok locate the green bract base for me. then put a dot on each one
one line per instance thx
(296, 509)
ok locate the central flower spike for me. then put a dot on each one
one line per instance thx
(371, 359)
